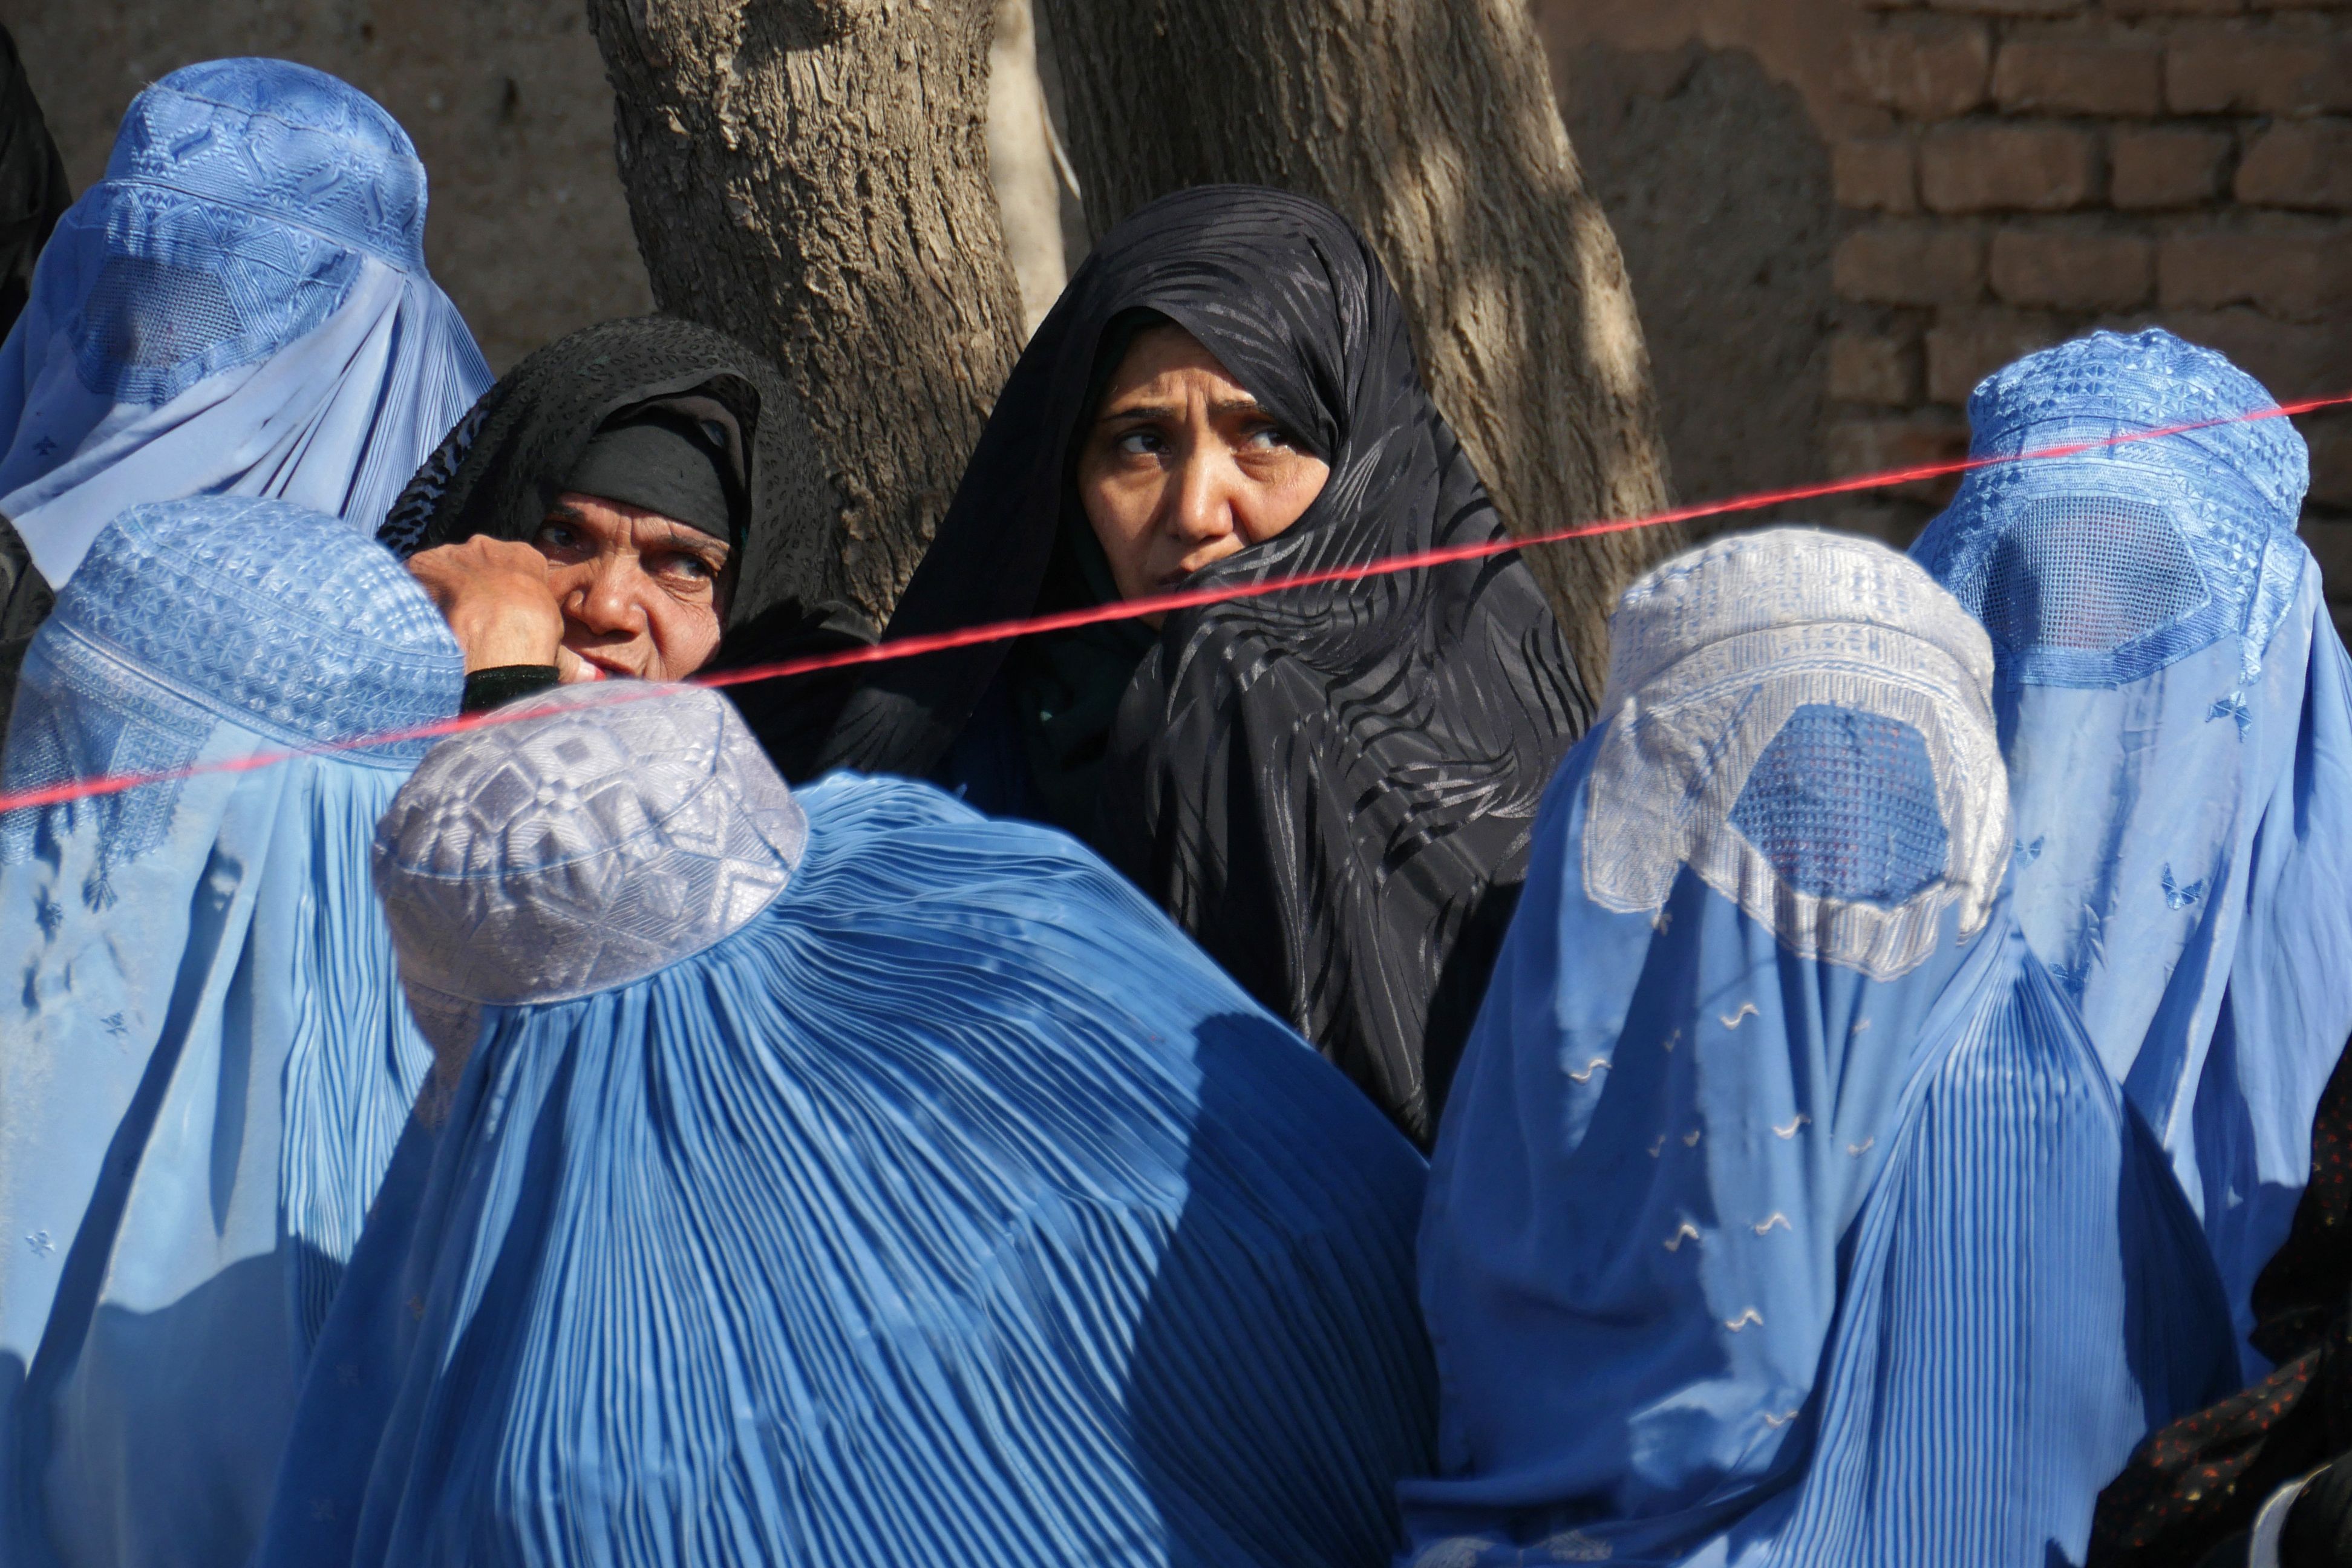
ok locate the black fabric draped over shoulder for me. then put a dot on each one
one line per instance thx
(504, 463)
(1330, 787)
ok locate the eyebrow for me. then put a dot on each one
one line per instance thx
(679, 537)
(694, 541)
(1244, 404)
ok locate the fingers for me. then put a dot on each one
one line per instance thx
(495, 594)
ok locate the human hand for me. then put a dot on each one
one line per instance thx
(494, 593)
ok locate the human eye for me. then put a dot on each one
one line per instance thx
(1272, 438)
(685, 565)
(1142, 442)
(558, 539)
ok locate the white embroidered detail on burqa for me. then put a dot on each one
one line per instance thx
(1715, 653)
(606, 835)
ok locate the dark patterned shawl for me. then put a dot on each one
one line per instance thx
(1331, 787)
(505, 462)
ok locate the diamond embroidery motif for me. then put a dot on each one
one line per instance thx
(579, 850)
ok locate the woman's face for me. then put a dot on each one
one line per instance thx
(638, 591)
(1182, 468)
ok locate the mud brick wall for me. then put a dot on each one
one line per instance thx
(2015, 172)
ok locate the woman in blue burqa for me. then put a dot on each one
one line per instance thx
(836, 1176)
(204, 1060)
(2176, 708)
(239, 307)
(1783, 1212)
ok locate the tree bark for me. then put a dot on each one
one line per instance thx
(1429, 123)
(812, 176)
(1021, 164)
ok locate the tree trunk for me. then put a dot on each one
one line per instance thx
(812, 176)
(1021, 163)
(1431, 124)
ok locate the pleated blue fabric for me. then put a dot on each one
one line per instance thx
(840, 1177)
(204, 1058)
(1781, 1212)
(2175, 707)
(241, 307)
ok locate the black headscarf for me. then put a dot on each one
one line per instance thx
(33, 190)
(785, 587)
(1330, 787)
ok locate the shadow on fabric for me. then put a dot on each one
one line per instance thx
(1281, 1381)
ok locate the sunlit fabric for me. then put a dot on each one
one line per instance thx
(1782, 1211)
(205, 1061)
(2177, 711)
(241, 307)
(839, 1177)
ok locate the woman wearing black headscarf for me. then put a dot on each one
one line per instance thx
(639, 499)
(1330, 787)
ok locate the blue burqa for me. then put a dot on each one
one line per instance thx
(205, 1061)
(1782, 1212)
(239, 307)
(838, 1177)
(2176, 708)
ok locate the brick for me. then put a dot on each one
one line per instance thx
(1859, 447)
(2300, 275)
(2292, 359)
(1875, 175)
(1994, 167)
(2331, 544)
(2082, 272)
(2078, 75)
(2011, 7)
(2158, 170)
(2299, 164)
(2256, 73)
(2330, 434)
(2174, 7)
(1869, 368)
(1928, 69)
(1909, 264)
(1965, 348)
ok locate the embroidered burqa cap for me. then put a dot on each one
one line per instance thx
(837, 1176)
(239, 307)
(1782, 1211)
(204, 1060)
(2176, 710)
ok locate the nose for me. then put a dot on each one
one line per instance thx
(608, 602)
(1201, 508)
